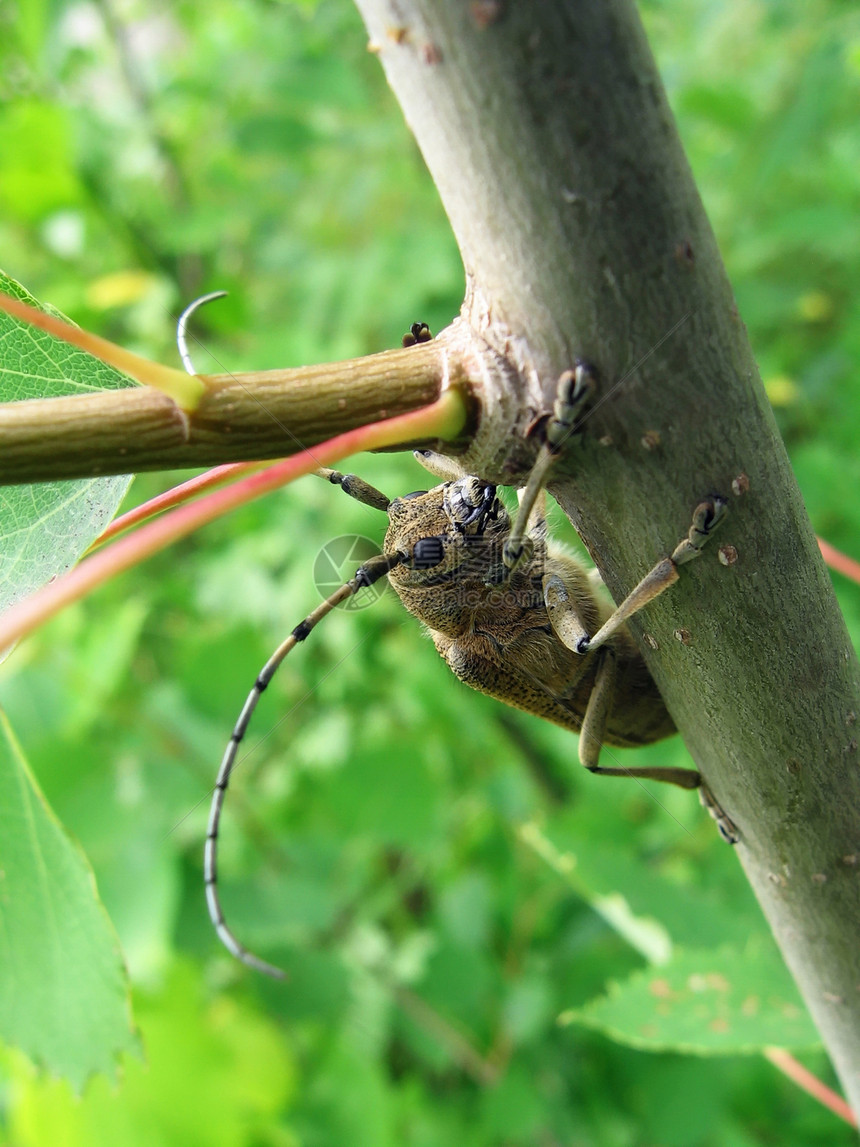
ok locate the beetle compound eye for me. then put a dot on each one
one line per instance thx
(427, 552)
(414, 494)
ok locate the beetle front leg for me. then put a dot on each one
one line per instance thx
(575, 388)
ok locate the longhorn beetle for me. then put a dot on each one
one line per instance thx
(512, 615)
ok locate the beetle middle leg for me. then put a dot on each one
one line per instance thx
(706, 517)
(563, 604)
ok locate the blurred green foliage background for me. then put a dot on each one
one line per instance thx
(438, 878)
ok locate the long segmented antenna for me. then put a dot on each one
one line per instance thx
(365, 576)
(182, 327)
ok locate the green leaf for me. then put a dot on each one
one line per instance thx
(220, 1074)
(727, 1002)
(63, 992)
(45, 528)
(642, 899)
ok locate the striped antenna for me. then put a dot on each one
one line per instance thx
(366, 575)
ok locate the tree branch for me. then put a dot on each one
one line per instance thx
(241, 417)
(548, 134)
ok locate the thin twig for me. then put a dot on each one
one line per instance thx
(810, 1083)
(173, 497)
(840, 562)
(444, 417)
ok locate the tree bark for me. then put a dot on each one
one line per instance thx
(548, 134)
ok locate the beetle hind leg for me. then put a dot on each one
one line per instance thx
(591, 742)
(726, 826)
(594, 729)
